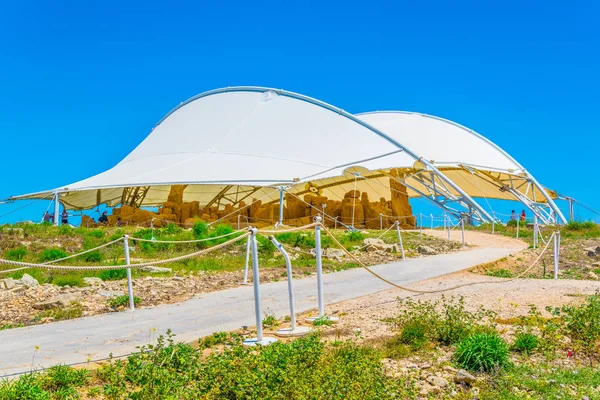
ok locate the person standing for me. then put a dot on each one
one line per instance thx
(513, 215)
(64, 217)
(523, 217)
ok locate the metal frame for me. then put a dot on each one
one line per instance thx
(551, 204)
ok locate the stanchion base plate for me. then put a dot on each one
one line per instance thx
(264, 342)
(289, 332)
(313, 319)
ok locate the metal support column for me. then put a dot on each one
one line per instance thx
(129, 282)
(420, 224)
(535, 231)
(400, 240)
(281, 190)
(245, 282)
(556, 253)
(56, 209)
(462, 229)
(319, 262)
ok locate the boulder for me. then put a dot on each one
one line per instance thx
(28, 281)
(155, 270)
(426, 250)
(92, 281)
(8, 284)
(463, 376)
(60, 301)
(437, 381)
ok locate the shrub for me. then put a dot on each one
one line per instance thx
(68, 280)
(352, 237)
(52, 254)
(200, 229)
(122, 301)
(580, 226)
(582, 325)
(95, 233)
(482, 352)
(16, 254)
(269, 321)
(297, 239)
(414, 334)
(219, 338)
(61, 377)
(525, 342)
(93, 256)
(323, 321)
(75, 310)
(113, 274)
(499, 273)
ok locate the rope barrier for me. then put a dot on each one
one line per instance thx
(426, 291)
(83, 252)
(133, 266)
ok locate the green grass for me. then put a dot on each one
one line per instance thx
(482, 352)
(525, 342)
(122, 301)
(68, 280)
(499, 273)
(75, 310)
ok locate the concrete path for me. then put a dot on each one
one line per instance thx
(97, 336)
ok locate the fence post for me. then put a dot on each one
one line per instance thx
(245, 282)
(431, 216)
(380, 222)
(420, 224)
(493, 224)
(129, 282)
(281, 190)
(535, 231)
(318, 257)
(239, 227)
(447, 219)
(400, 239)
(518, 228)
(335, 223)
(152, 227)
(260, 340)
(293, 330)
(556, 253)
(462, 229)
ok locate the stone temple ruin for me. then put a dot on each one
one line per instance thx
(354, 209)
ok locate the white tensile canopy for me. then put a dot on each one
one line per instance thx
(243, 142)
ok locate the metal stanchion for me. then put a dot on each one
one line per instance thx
(431, 216)
(129, 282)
(445, 220)
(239, 216)
(420, 224)
(462, 229)
(293, 330)
(335, 222)
(493, 224)
(380, 222)
(447, 223)
(259, 339)
(556, 253)
(245, 282)
(400, 240)
(535, 231)
(517, 228)
(318, 257)
(152, 227)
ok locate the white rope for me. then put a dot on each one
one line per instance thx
(187, 241)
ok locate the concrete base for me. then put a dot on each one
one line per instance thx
(312, 319)
(289, 332)
(264, 342)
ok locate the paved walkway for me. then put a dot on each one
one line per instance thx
(97, 336)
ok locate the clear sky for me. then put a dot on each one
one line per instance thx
(83, 82)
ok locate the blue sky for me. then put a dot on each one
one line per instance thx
(83, 83)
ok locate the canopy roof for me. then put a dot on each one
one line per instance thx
(246, 141)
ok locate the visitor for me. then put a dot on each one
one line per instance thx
(119, 222)
(513, 215)
(523, 216)
(103, 218)
(64, 217)
(48, 217)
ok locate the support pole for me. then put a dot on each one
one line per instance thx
(129, 282)
(445, 220)
(239, 227)
(462, 229)
(493, 225)
(535, 231)
(400, 240)
(259, 340)
(56, 209)
(431, 216)
(420, 224)
(245, 282)
(335, 223)
(380, 222)
(571, 210)
(448, 225)
(152, 227)
(293, 330)
(281, 190)
(556, 253)
(517, 228)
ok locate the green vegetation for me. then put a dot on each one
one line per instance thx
(323, 321)
(52, 254)
(16, 254)
(74, 310)
(525, 342)
(68, 280)
(269, 321)
(499, 273)
(113, 274)
(482, 352)
(122, 301)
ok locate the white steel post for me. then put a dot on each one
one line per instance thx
(556, 253)
(257, 308)
(335, 223)
(293, 330)
(420, 224)
(319, 267)
(571, 210)
(493, 225)
(535, 231)
(445, 220)
(239, 227)
(448, 225)
(400, 240)
(380, 222)
(431, 216)
(245, 282)
(152, 227)
(518, 228)
(462, 229)
(281, 190)
(129, 282)
(56, 209)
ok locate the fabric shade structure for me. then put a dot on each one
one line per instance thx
(234, 144)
